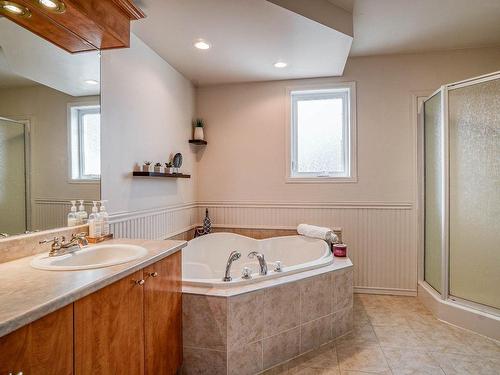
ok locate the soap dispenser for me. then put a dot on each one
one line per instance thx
(72, 215)
(82, 214)
(95, 227)
(104, 219)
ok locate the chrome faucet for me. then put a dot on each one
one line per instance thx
(59, 246)
(262, 261)
(235, 255)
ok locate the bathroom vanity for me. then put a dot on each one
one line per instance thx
(105, 320)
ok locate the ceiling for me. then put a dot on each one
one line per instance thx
(247, 37)
(405, 26)
(26, 60)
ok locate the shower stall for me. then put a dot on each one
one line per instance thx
(460, 189)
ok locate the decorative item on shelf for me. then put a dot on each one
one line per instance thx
(168, 167)
(148, 166)
(159, 168)
(198, 125)
(206, 228)
(177, 162)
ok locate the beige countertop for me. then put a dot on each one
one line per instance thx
(27, 294)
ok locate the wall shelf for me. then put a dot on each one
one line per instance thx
(158, 174)
(198, 142)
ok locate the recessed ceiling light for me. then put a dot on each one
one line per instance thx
(202, 44)
(53, 5)
(91, 82)
(14, 8)
(280, 65)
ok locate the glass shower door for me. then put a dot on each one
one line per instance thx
(12, 177)
(433, 185)
(474, 128)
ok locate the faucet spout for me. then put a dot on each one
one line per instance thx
(235, 255)
(262, 261)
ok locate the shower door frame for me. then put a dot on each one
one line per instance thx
(27, 167)
(445, 208)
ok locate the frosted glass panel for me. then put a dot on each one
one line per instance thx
(475, 193)
(433, 190)
(12, 178)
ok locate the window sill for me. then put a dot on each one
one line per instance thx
(320, 180)
(90, 182)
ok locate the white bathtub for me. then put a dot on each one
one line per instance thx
(204, 258)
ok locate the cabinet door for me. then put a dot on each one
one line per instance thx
(44, 347)
(163, 315)
(109, 335)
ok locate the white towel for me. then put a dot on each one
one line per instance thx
(316, 232)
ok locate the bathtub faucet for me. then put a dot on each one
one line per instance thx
(235, 255)
(262, 261)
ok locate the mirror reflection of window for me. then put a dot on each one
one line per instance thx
(85, 143)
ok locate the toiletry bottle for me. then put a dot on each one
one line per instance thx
(82, 214)
(104, 219)
(95, 222)
(72, 215)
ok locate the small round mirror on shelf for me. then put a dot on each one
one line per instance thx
(177, 162)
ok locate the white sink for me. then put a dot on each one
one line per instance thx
(96, 256)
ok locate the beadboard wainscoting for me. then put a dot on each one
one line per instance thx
(155, 224)
(381, 237)
(47, 213)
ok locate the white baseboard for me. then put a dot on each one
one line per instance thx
(386, 291)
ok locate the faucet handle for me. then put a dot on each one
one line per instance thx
(278, 267)
(246, 273)
(56, 242)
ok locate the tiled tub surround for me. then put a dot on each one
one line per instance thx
(252, 328)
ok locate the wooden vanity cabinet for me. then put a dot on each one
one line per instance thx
(109, 329)
(134, 325)
(163, 316)
(44, 347)
(131, 327)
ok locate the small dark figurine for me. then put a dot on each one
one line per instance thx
(207, 226)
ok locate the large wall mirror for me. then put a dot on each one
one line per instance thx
(49, 131)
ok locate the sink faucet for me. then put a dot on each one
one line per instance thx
(59, 246)
(235, 255)
(262, 261)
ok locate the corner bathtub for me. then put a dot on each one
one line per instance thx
(204, 258)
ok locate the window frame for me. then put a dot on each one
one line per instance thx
(76, 111)
(346, 90)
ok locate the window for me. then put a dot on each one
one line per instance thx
(85, 140)
(322, 134)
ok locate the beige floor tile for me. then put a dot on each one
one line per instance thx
(324, 357)
(313, 371)
(364, 334)
(408, 361)
(462, 364)
(386, 372)
(398, 337)
(367, 358)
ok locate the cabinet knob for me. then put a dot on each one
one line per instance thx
(153, 274)
(140, 282)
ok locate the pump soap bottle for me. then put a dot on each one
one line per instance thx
(82, 214)
(95, 224)
(104, 220)
(72, 216)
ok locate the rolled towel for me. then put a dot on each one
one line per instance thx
(316, 232)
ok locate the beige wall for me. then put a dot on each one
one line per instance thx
(245, 158)
(147, 108)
